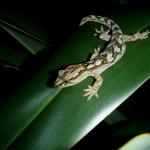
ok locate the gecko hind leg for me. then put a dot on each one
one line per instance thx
(126, 38)
(92, 90)
(136, 36)
(103, 35)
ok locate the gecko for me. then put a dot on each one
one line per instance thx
(101, 59)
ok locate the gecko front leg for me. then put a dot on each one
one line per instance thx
(96, 52)
(92, 90)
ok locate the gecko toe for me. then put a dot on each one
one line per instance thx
(90, 92)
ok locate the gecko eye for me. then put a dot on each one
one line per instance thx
(61, 72)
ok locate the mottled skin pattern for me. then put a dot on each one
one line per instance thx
(99, 61)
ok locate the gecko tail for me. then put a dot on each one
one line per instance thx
(99, 19)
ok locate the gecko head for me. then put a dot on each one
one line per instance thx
(69, 76)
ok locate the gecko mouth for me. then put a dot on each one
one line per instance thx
(63, 84)
(57, 85)
(60, 84)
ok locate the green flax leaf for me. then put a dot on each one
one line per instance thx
(140, 142)
(30, 42)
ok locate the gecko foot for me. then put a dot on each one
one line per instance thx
(90, 91)
(101, 34)
(142, 35)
